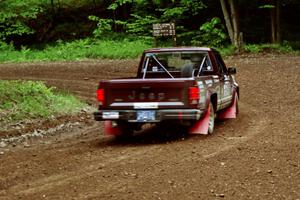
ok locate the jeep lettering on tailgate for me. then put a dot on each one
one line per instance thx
(142, 96)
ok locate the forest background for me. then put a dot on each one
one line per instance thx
(73, 30)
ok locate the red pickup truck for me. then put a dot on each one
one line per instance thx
(188, 85)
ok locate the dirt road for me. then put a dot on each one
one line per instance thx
(256, 156)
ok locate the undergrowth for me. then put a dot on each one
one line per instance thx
(76, 50)
(258, 48)
(268, 48)
(112, 48)
(31, 100)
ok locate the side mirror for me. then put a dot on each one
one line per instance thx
(231, 70)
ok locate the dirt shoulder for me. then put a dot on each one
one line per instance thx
(256, 156)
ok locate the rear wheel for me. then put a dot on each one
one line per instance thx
(126, 130)
(237, 103)
(211, 124)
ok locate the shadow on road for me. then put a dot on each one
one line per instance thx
(152, 135)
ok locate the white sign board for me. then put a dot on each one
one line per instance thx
(164, 29)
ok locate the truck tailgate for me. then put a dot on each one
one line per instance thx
(146, 93)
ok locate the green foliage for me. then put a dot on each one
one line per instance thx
(103, 26)
(212, 33)
(173, 13)
(118, 3)
(69, 20)
(293, 44)
(267, 6)
(40, 21)
(140, 21)
(4, 47)
(268, 48)
(182, 10)
(227, 50)
(252, 48)
(141, 26)
(15, 14)
(28, 99)
(79, 50)
(194, 6)
(258, 48)
(114, 48)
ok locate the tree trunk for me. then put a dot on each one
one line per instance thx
(114, 25)
(234, 19)
(227, 21)
(278, 27)
(94, 5)
(126, 11)
(52, 6)
(275, 22)
(273, 26)
(232, 22)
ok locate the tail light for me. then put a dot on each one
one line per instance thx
(100, 96)
(194, 95)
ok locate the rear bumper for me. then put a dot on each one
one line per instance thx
(160, 115)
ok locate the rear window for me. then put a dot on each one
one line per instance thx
(173, 61)
(172, 64)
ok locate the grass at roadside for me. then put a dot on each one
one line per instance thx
(258, 48)
(30, 100)
(110, 48)
(76, 50)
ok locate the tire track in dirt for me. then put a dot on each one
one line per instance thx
(52, 183)
(234, 161)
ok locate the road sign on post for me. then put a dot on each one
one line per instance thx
(164, 30)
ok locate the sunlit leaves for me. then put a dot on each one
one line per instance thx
(14, 15)
(211, 33)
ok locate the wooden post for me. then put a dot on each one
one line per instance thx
(154, 42)
(174, 40)
(174, 35)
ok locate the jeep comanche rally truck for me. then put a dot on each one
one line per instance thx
(188, 85)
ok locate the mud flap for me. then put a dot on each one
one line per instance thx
(110, 130)
(201, 126)
(230, 112)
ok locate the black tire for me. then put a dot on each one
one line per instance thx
(126, 131)
(237, 104)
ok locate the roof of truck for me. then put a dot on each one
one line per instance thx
(167, 49)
